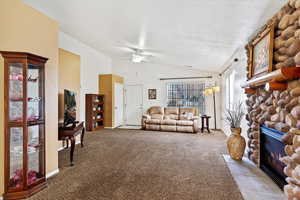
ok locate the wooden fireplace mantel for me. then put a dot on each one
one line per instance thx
(280, 75)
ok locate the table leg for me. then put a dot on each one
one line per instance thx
(207, 124)
(67, 141)
(202, 127)
(82, 136)
(72, 150)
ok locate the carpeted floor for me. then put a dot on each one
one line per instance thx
(144, 165)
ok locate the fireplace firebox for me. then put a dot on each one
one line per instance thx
(271, 150)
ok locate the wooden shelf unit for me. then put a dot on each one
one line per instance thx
(94, 112)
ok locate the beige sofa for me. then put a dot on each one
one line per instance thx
(171, 119)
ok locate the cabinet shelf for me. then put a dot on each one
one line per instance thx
(98, 111)
(35, 122)
(97, 120)
(16, 99)
(29, 80)
(98, 103)
(30, 99)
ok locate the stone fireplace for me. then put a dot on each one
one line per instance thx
(273, 114)
(271, 151)
(278, 111)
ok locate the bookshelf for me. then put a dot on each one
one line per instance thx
(94, 112)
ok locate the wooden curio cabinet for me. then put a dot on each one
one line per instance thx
(24, 106)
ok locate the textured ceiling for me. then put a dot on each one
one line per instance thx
(198, 33)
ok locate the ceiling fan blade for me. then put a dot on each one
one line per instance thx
(125, 48)
(131, 48)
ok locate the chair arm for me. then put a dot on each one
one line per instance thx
(145, 116)
(196, 125)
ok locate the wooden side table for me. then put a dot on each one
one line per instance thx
(205, 120)
(69, 133)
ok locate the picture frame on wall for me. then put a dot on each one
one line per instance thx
(152, 94)
(261, 53)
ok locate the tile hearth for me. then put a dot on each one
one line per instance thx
(253, 183)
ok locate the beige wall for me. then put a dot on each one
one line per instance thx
(25, 29)
(107, 88)
(68, 78)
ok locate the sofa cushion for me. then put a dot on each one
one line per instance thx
(171, 111)
(171, 117)
(187, 116)
(153, 127)
(153, 121)
(183, 111)
(157, 116)
(168, 128)
(184, 123)
(188, 129)
(155, 110)
(168, 122)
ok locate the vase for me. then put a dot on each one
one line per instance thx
(236, 144)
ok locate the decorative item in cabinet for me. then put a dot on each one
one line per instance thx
(24, 108)
(94, 112)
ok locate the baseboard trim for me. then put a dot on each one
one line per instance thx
(62, 148)
(109, 127)
(51, 174)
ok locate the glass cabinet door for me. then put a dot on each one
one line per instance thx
(35, 108)
(16, 157)
(35, 117)
(15, 91)
(35, 151)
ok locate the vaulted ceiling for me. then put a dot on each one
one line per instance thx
(198, 33)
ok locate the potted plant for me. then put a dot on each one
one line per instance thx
(235, 143)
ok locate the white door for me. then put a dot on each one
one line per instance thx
(133, 104)
(119, 104)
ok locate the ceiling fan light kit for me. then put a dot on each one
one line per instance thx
(136, 58)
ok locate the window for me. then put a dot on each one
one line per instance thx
(229, 85)
(227, 93)
(186, 94)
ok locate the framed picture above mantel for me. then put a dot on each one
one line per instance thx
(261, 53)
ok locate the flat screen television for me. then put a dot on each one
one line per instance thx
(69, 107)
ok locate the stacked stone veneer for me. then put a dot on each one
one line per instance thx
(280, 109)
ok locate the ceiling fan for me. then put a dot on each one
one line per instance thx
(137, 55)
(140, 55)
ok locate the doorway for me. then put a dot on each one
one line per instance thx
(133, 105)
(119, 105)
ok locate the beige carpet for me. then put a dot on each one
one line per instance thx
(144, 165)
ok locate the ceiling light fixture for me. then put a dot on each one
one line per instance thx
(136, 58)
